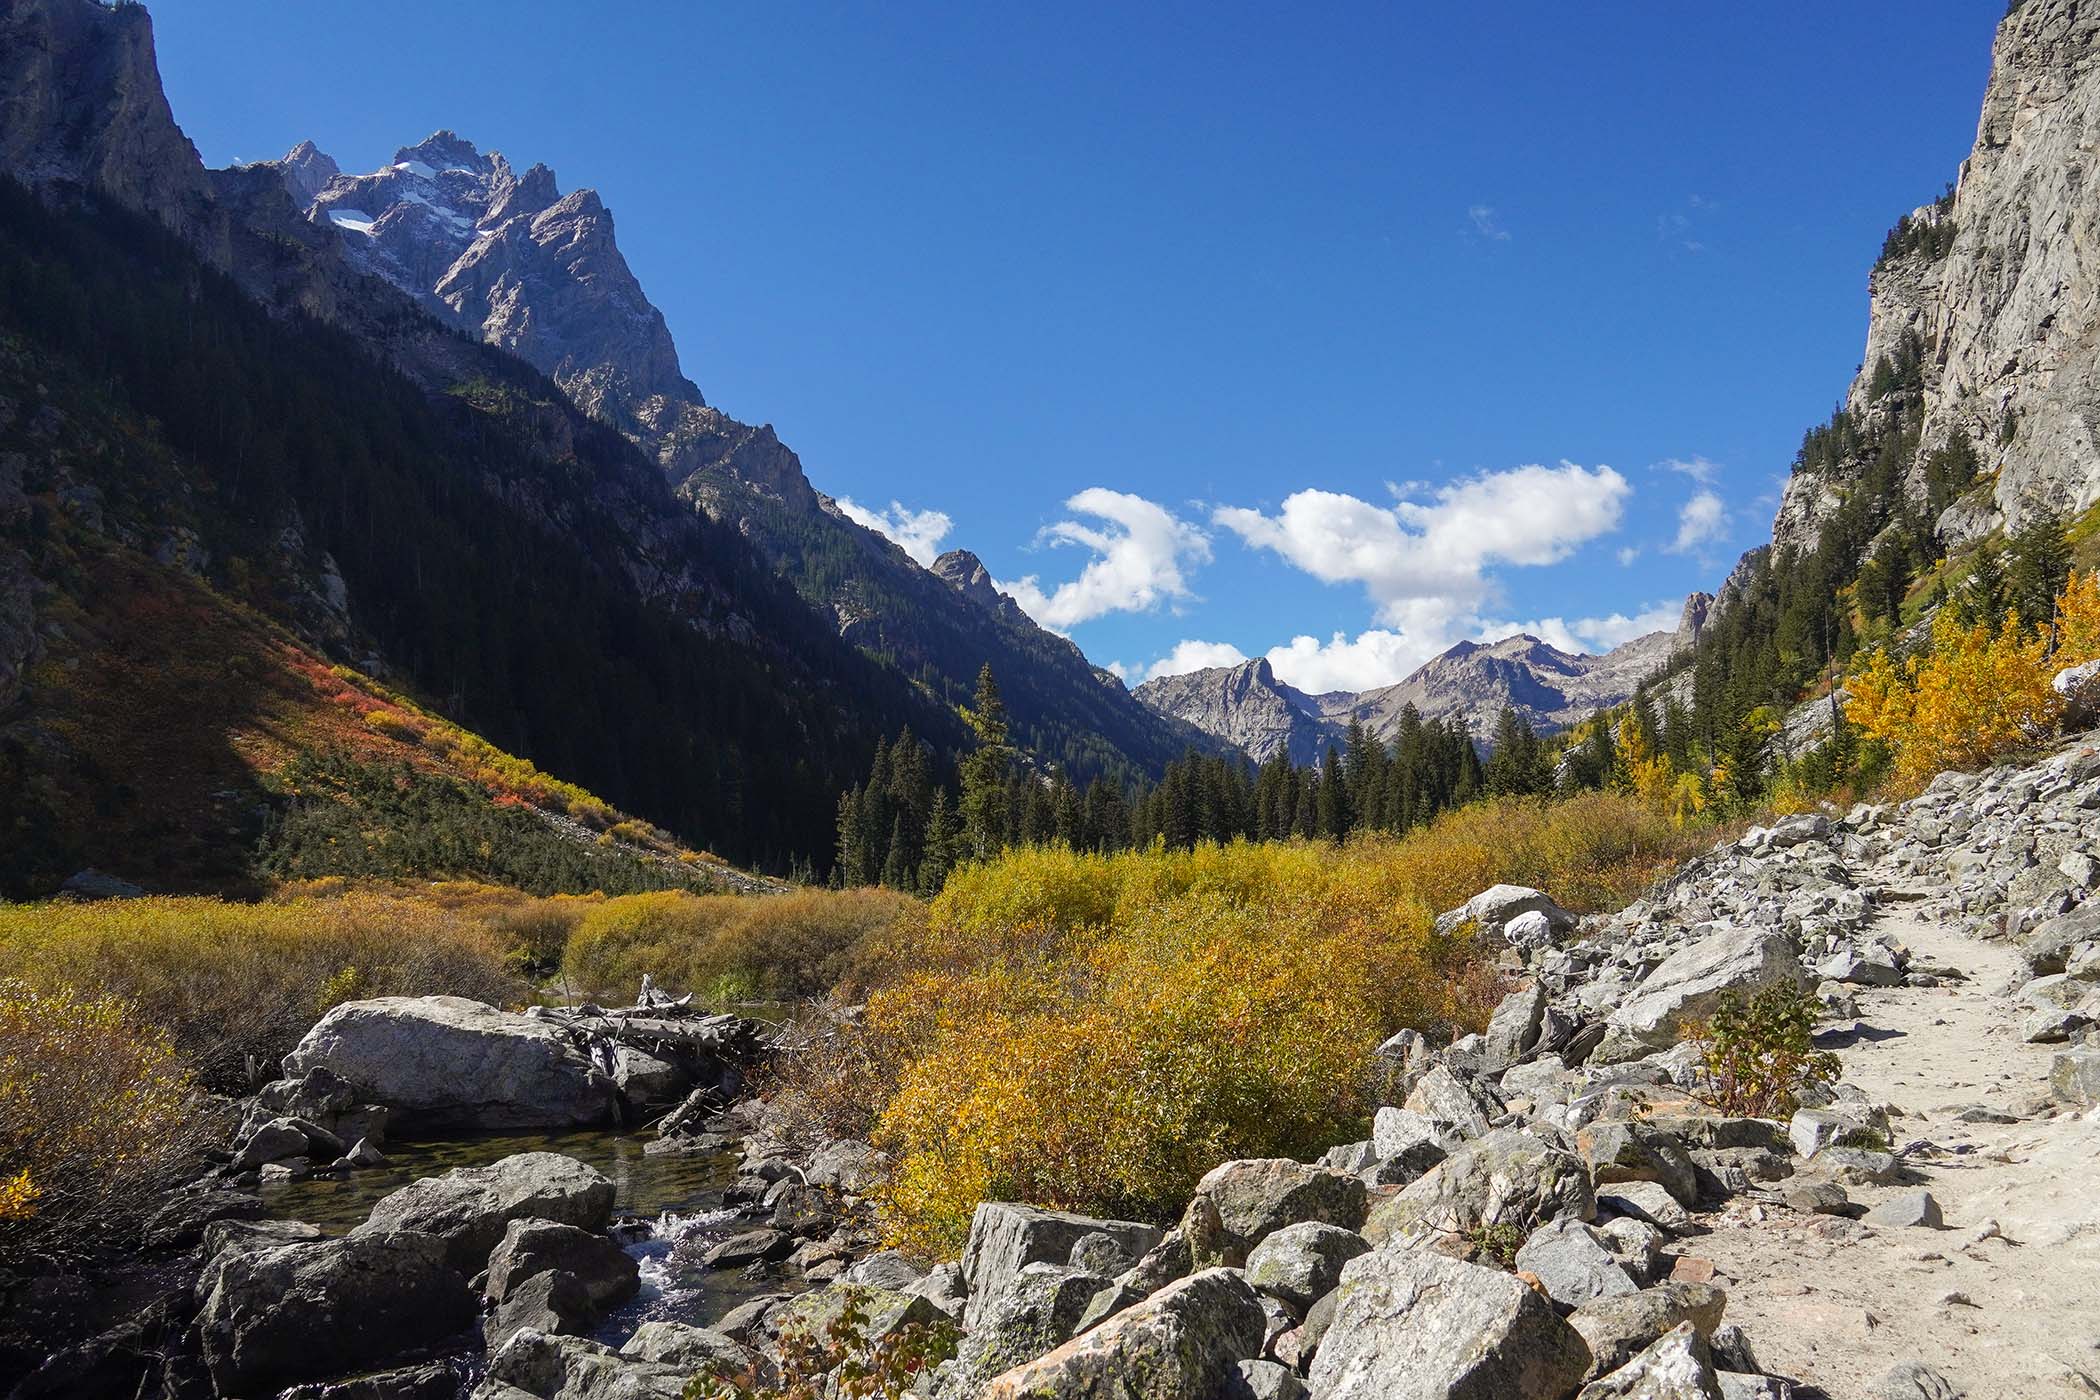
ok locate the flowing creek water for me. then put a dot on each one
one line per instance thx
(678, 1199)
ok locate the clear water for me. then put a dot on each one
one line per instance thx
(679, 1199)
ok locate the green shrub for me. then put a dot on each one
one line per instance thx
(1758, 1055)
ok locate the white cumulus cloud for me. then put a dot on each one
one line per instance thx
(1188, 655)
(1141, 551)
(1426, 566)
(917, 532)
(1371, 659)
(1702, 520)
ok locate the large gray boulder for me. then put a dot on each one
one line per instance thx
(1509, 1179)
(573, 1368)
(1493, 910)
(1414, 1325)
(1038, 1309)
(608, 1274)
(1575, 1263)
(447, 1060)
(1626, 1149)
(1182, 1343)
(1461, 1107)
(2074, 1078)
(1302, 1263)
(273, 1317)
(1240, 1204)
(1689, 985)
(470, 1207)
(1619, 1328)
(1004, 1238)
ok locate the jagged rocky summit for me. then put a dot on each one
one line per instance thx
(1248, 706)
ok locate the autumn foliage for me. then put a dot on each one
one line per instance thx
(1096, 1031)
(1975, 692)
(97, 1118)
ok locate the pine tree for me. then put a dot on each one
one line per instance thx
(942, 832)
(852, 870)
(1333, 811)
(985, 810)
(2040, 567)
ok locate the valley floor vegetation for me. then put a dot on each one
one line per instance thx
(1095, 1031)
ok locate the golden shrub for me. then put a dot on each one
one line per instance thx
(1973, 695)
(98, 1116)
(728, 947)
(235, 985)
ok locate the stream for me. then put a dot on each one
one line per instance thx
(679, 1199)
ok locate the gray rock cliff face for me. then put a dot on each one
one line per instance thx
(2005, 298)
(81, 103)
(1246, 705)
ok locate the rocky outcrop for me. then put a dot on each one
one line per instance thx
(1995, 286)
(1247, 706)
(453, 1061)
(81, 104)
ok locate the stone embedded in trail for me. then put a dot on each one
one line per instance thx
(1004, 1238)
(1913, 1380)
(1239, 1204)
(1574, 1263)
(1676, 1367)
(2074, 1078)
(1912, 1209)
(1415, 1325)
(1302, 1263)
(1508, 1178)
(453, 1061)
(1689, 985)
(470, 1207)
(295, 1312)
(1183, 1343)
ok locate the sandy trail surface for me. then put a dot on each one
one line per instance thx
(2005, 1299)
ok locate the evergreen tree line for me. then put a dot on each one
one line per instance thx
(1789, 620)
(904, 827)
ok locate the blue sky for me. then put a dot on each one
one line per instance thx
(1206, 323)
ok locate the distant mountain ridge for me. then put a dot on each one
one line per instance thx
(505, 257)
(1472, 681)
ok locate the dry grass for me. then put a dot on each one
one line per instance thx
(234, 986)
(730, 947)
